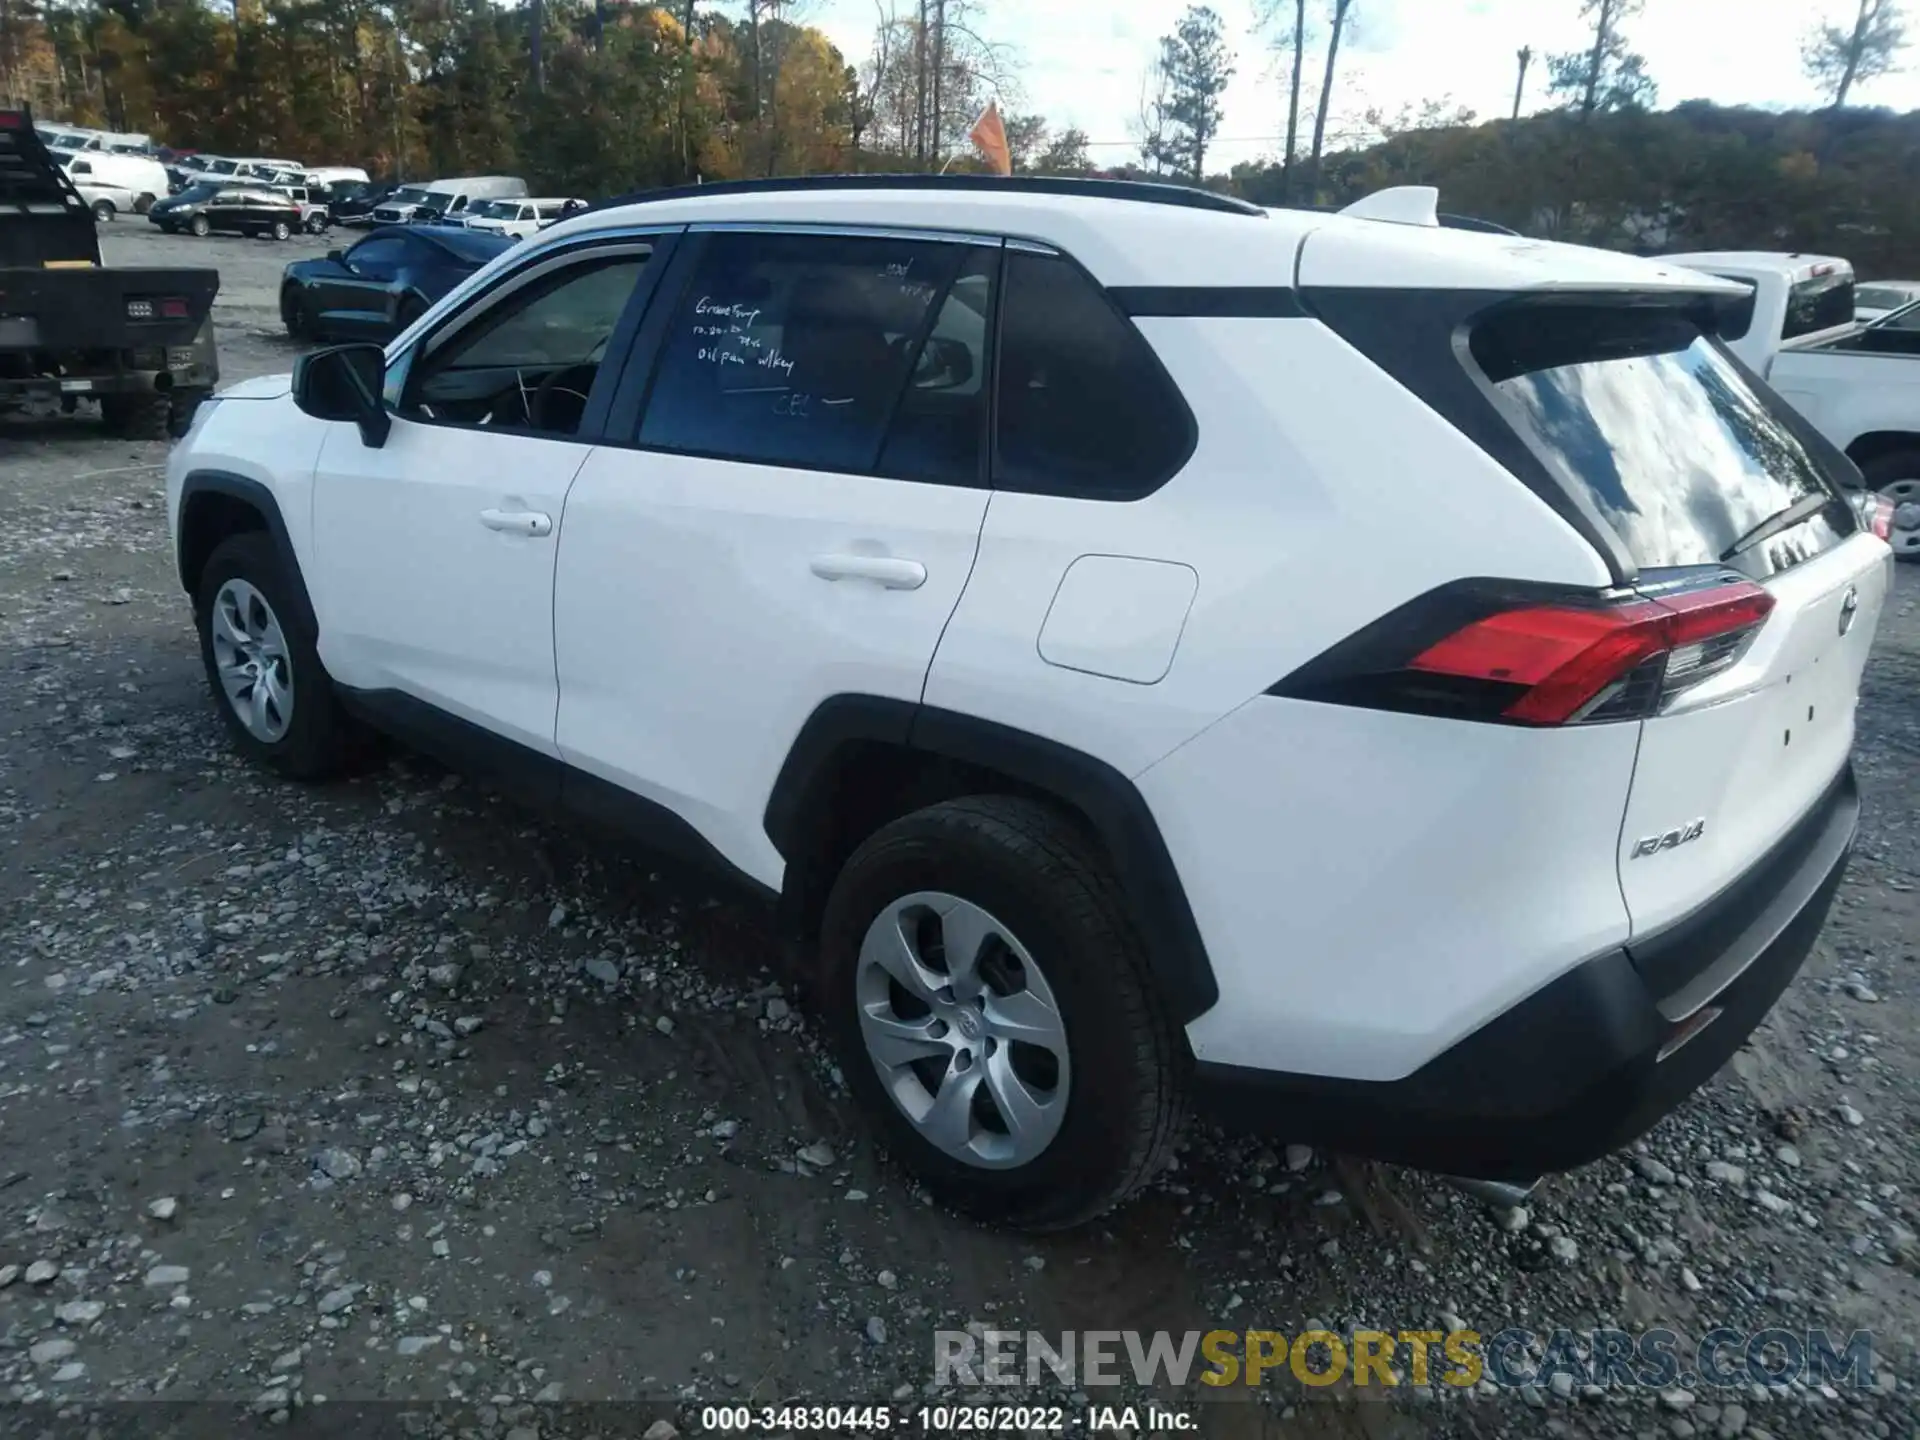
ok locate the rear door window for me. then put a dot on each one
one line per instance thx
(797, 349)
(1666, 438)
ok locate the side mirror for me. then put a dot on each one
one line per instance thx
(336, 255)
(344, 383)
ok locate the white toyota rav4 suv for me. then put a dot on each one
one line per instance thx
(1387, 685)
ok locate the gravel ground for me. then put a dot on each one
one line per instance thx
(387, 1092)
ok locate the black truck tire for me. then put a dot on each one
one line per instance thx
(280, 230)
(102, 211)
(137, 417)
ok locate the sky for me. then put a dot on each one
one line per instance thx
(1081, 62)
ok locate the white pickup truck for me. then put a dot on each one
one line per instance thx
(1858, 385)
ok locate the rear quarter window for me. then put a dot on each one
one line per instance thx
(1085, 407)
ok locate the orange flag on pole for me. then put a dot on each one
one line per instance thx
(989, 137)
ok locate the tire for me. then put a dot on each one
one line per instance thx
(136, 417)
(142, 203)
(317, 740)
(281, 230)
(293, 314)
(200, 226)
(316, 224)
(1027, 879)
(1895, 476)
(102, 211)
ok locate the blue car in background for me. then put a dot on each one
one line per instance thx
(383, 283)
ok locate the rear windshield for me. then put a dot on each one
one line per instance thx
(1646, 416)
(1819, 304)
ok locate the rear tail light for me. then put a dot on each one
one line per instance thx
(1472, 653)
(166, 307)
(1875, 514)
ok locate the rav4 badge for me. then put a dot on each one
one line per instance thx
(1653, 844)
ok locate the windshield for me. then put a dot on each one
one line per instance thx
(1879, 297)
(194, 194)
(1905, 317)
(1663, 434)
(408, 195)
(223, 167)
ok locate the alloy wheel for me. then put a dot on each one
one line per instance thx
(963, 1029)
(250, 652)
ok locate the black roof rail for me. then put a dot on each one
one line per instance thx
(1146, 192)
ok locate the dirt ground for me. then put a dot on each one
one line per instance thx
(385, 1094)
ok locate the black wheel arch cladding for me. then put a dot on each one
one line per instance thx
(195, 547)
(1107, 800)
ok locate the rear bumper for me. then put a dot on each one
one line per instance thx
(1594, 1059)
(124, 382)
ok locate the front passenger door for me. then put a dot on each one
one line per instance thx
(436, 550)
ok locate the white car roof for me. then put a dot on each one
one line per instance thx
(1136, 242)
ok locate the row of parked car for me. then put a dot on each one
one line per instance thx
(268, 195)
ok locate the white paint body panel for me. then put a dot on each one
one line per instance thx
(1373, 887)
(695, 639)
(1752, 749)
(267, 440)
(1848, 395)
(1119, 617)
(1268, 514)
(415, 594)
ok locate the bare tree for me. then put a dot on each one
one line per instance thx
(1286, 20)
(1153, 120)
(1337, 22)
(1606, 75)
(930, 75)
(1525, 55)
(536, 44)
(1840, 59)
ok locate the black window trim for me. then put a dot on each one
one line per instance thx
(558, 255)
(628, 408)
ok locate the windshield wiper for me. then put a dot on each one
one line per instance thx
(1805, 508)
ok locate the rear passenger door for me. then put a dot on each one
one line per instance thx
(793, 515)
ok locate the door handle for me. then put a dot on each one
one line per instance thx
(517, 522)
(883, 570)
